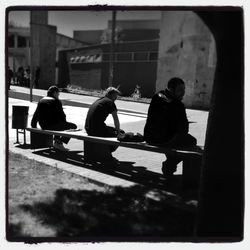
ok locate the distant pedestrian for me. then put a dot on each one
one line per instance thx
(27, 77)
(50, 115)
(167, 123)
(10, 76)
(37, 77)
(20, 76)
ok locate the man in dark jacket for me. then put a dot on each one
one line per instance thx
(50, 115)
(167, 123)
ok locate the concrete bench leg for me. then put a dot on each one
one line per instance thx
(191, 172)
(96, 151)
(38, 140)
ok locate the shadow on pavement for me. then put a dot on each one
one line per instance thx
(125, 170)
(118, 214)
(23, 146)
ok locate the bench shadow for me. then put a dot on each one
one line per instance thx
(22, 146)
(125, 170)
(118, 214)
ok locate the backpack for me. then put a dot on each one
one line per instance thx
(130, 137)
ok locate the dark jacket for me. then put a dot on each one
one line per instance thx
(49, 112)
(96, 116)
(166, 118)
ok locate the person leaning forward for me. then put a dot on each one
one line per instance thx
(97, 114)
(50, 115)
(167, 123)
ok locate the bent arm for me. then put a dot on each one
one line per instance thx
(34, 119)
(116, 121)
(60, 112)
(183, 124)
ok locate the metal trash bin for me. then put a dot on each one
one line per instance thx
(20, 119)
(20, 116)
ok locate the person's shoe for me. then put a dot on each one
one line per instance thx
(167, 171)
(59, 146)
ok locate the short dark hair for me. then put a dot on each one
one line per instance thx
(111, 90)
(173, 82)
(52, 90)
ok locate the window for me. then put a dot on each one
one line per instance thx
(72, 59)
(124, 56)
(86, 59)
(153, 56)
(77, 59)
(106, 57)
(83, 59)
(21, 42)
(11, 41)
(98, 58)
(141, 56)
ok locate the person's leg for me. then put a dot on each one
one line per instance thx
(59, 140)
(105, 131)
(111, 132)
(182, 140)
(60, 127)
(68, 125)
(170, 165)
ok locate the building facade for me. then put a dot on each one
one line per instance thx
(187, 50)
(126, 30)
(147, 53)
(135, 63)
(19, 47)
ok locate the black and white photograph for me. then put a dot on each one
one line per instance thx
(124, 124)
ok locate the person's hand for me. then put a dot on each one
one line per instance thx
(121, 132)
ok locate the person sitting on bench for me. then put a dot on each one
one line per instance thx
(50, 116)
(97, 114)
(167, 123)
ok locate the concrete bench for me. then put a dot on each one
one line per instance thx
(95, 148)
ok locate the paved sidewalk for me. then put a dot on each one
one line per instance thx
(75, 100)
(137, 167)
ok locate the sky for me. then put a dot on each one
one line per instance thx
(67, 21)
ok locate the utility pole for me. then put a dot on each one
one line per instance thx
(31, 75)
(112, 49)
